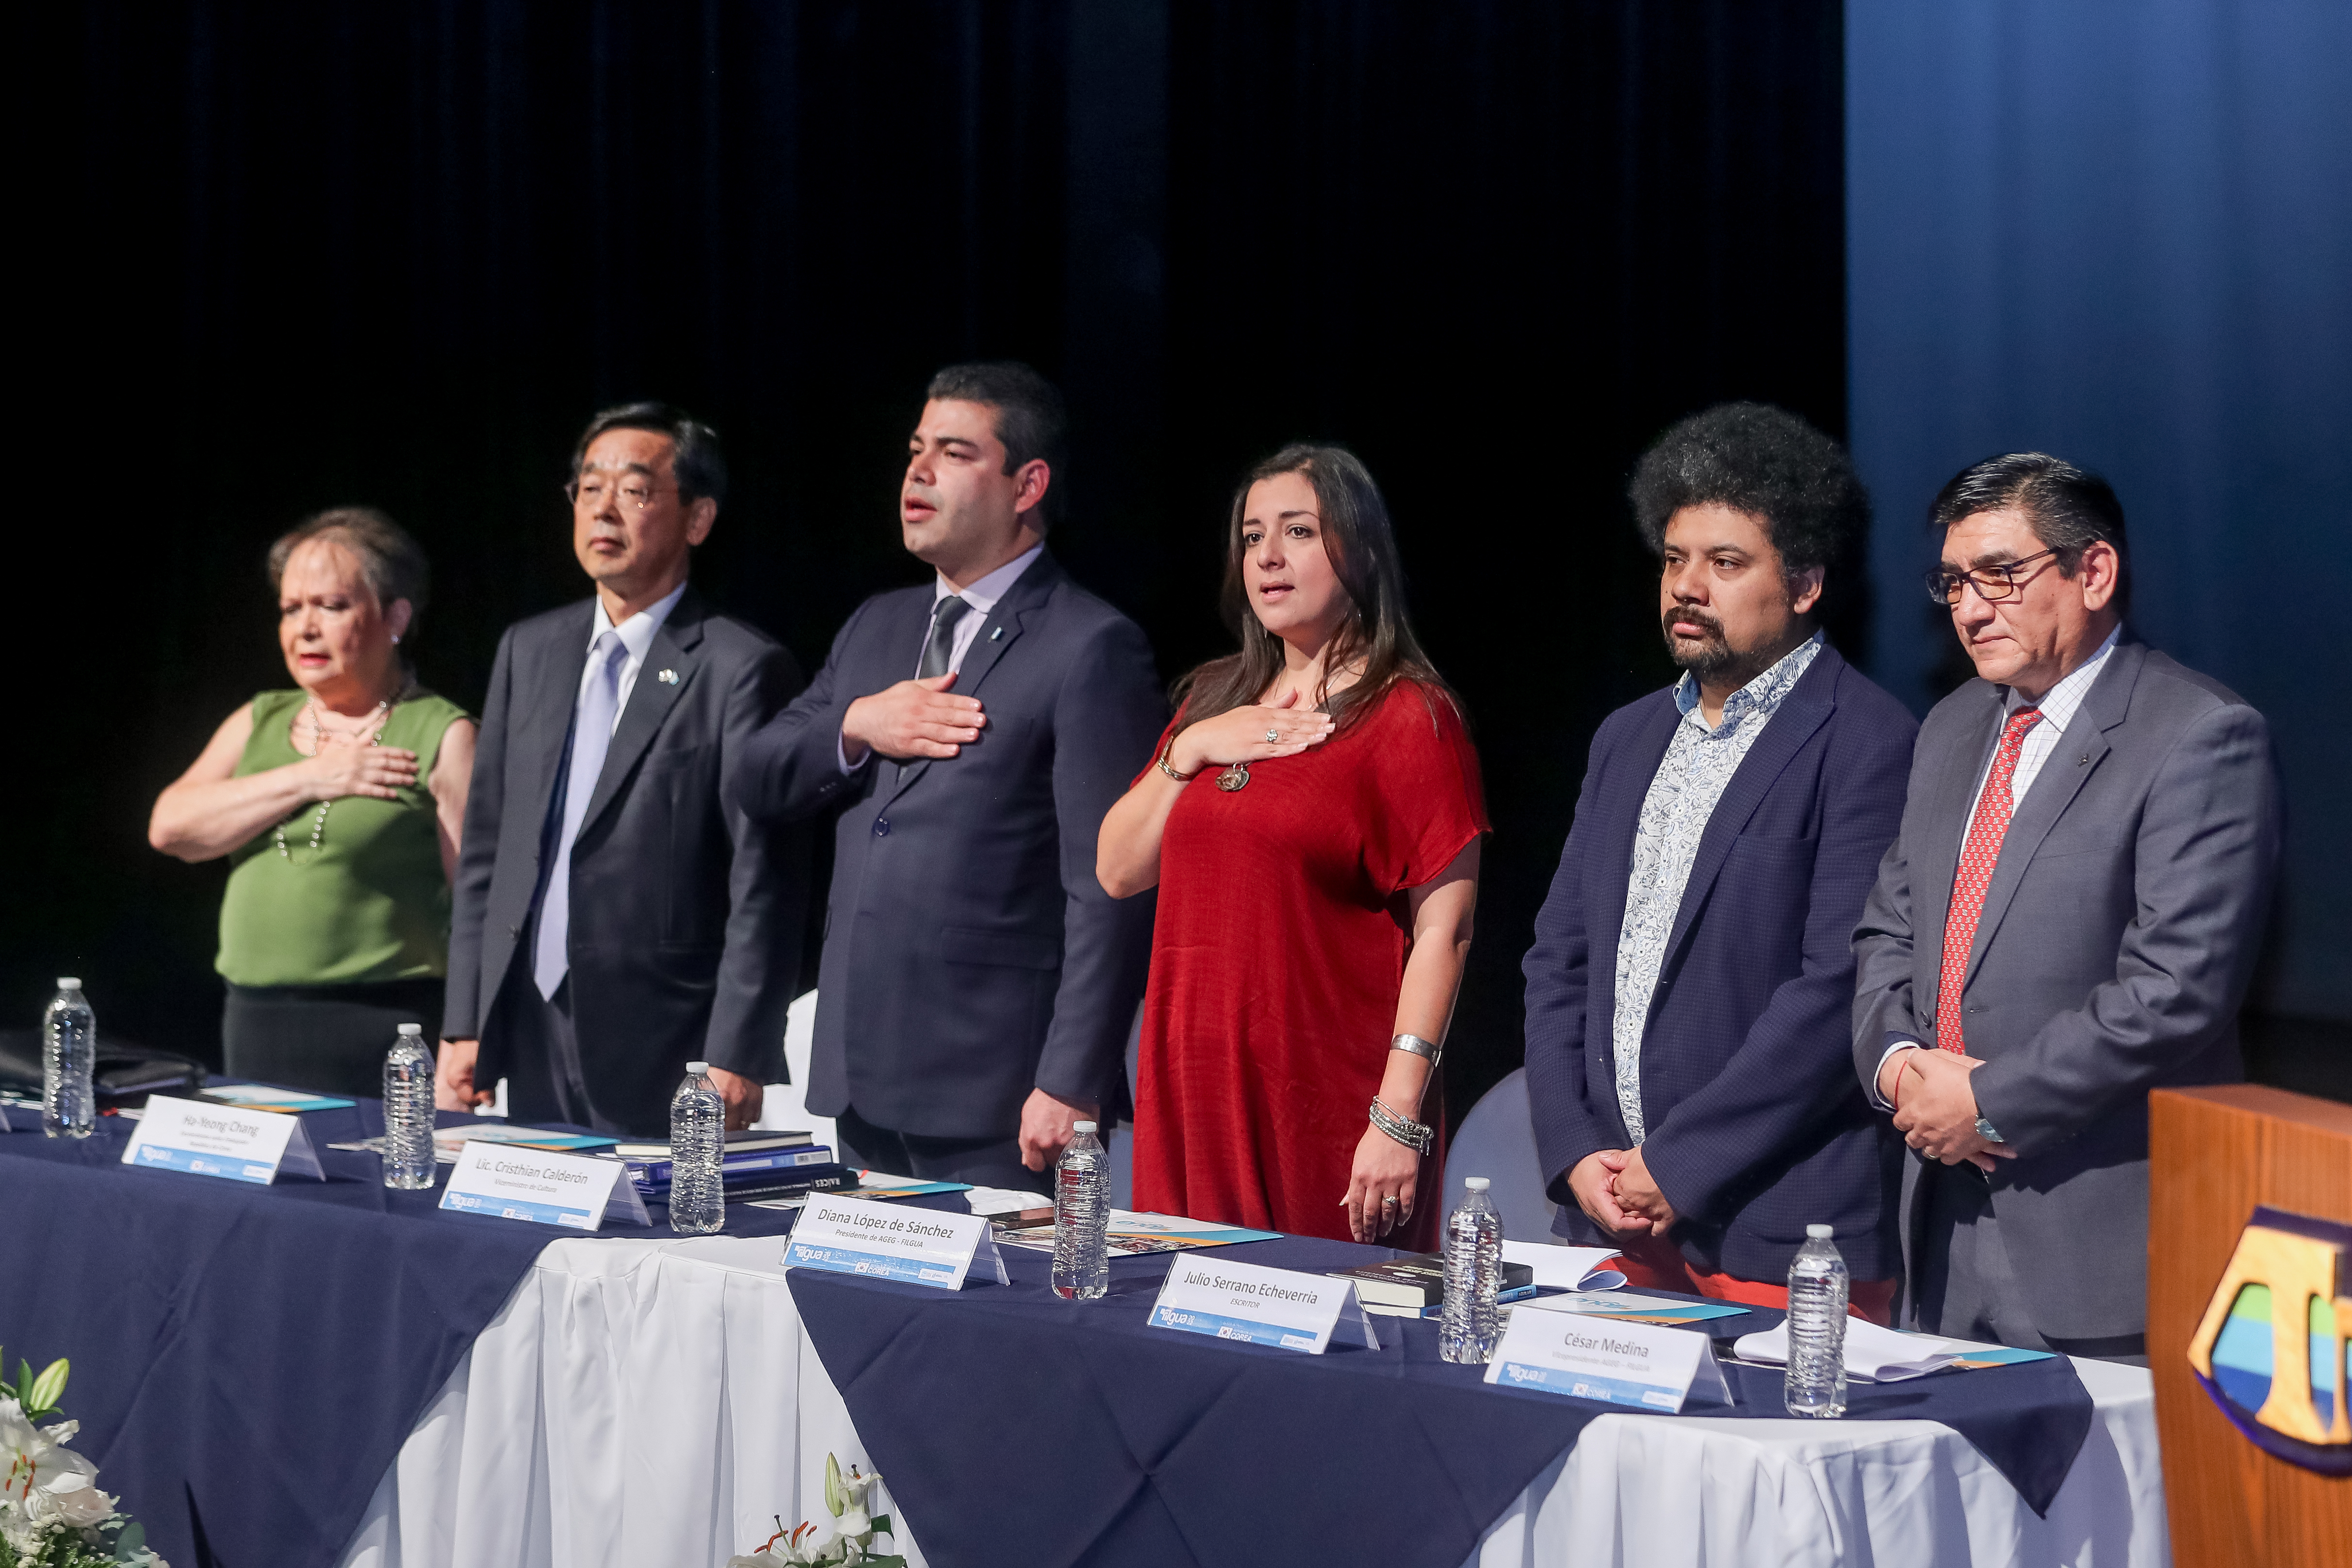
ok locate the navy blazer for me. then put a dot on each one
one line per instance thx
(971, 955)
(685, 918)
(1757, 1127)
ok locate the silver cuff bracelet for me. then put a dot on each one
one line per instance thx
(1417, 1047)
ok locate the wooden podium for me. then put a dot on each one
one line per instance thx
(2215, 1153)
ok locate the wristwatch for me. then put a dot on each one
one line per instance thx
(1985, 1130)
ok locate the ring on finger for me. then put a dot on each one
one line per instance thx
(1273, 736)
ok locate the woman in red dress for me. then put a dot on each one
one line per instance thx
(1312, 823)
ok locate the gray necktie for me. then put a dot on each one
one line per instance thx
(939, 653)
(592, 737)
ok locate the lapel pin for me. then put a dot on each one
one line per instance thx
(2083, 760)
(996, 634)
(667, 678)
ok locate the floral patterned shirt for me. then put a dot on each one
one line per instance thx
(1699, 764)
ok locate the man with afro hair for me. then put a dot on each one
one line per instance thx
(1687, 997)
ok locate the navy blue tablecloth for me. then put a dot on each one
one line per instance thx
(247, 1359)
(1016, 1428)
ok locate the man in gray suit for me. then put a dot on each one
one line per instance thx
(2067, 920)
(977, 984)
(612, 920)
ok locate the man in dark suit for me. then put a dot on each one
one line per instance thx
(1687, 992)
(613, 918)
(977, 984)
(2068, 920)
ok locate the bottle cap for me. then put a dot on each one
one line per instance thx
(67, 983)
(1819, 1232)
(412, 1029)
(1082, 1127)
(697, 1069)
(1475, 1184)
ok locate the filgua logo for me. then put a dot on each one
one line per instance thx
(2271, 1348)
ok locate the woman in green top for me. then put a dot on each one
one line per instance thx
(339, 805)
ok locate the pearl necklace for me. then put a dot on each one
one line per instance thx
(381, 715)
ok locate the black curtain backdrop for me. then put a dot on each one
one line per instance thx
(316, 254)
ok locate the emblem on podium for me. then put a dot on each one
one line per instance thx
(2271, 1348)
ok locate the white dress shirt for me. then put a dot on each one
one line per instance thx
(2059, 705)
(636, 636)
(982, 597)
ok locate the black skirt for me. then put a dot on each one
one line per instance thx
(329, 1039)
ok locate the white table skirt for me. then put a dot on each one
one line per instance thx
(655, 1402)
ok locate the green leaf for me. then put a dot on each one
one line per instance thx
(130, 1543)
(882, 1524)
(50, 1385)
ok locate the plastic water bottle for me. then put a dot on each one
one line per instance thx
(1082, 1217)
(69, 1054)
(697, 1138)
(1817, 1298)
(408, 1111)
(1473, 1265)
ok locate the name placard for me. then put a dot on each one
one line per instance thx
(544, 1188)
(1644, 1365)
(1261, 1306)
(915, 1247)
(224, 1140)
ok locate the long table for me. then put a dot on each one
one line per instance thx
(298, 1373)
(640, 1402)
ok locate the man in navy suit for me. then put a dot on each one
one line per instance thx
(977, 984)
(1689, 1057)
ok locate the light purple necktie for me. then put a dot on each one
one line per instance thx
(592, 737)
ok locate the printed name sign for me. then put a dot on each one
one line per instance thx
(915, 1247)
(543, 1187)
(221, 1141)
(1263, 1306)
(1644, 1365)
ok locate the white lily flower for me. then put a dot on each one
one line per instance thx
(35, 1457)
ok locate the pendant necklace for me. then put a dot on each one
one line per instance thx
(381, 715)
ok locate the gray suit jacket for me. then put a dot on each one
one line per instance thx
(971, 955)
(685, 918)
(2117, 941)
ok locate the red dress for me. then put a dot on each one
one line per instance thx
(1276, 959)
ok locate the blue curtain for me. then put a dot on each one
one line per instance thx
(2122, 232)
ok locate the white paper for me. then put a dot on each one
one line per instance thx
(885, 1241)
(207, 1139)
(1876, 1355)
(1004, 1200)
(578, 1191)
(1278, 1307)
(1566, 1268)
(1642, 1365)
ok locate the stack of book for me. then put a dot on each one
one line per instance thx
(1415, 1285)
(755, 1164)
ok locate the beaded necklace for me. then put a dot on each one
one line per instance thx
(381, 714)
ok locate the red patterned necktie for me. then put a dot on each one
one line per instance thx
(1978, 857)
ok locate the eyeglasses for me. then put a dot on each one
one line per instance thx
(1994, 584)
(636, 495)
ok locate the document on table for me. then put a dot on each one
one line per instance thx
(269, 1097)
(1129, 1233)
(449, 1143)
(1874, 1354)
(1567, 1267)
(1629, 1307)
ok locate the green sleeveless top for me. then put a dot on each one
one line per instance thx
(371, 902)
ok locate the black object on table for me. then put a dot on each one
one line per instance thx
(247, 1359)
(1015, 1428)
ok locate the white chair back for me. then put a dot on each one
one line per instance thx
(1497, 1140)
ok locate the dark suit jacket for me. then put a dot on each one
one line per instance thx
(971, 955)
(2117, 937)
(1756, 1127)
(685, 917)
